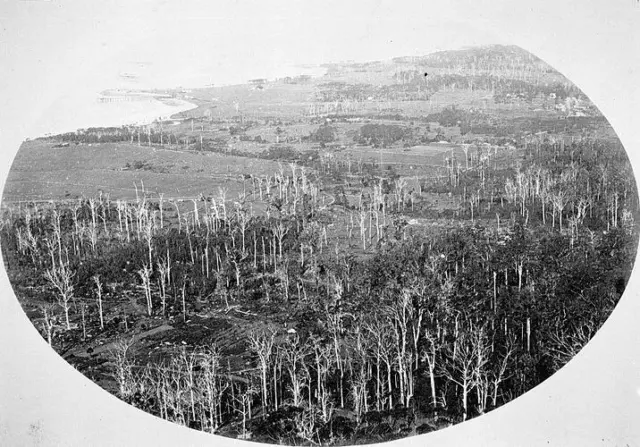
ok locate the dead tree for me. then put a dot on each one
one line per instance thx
(210, 382)
(48, 321)
(262, 344)
(280, 231)
(61, 278)
(145, 276)
(245, 399)
(461, 364)
(123, 368)
(294, 353)
(96, 280)
(500, 371)
(430, 354)
(163, 271)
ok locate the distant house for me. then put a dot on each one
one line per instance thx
(258, 81)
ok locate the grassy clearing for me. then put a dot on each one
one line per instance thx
(281, 100)
(428, 155)
(43, 172)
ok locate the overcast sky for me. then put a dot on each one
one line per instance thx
(227, 41)
(86, 47)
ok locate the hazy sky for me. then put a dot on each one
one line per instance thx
(228, 41)
(233, 40)
(84, 46)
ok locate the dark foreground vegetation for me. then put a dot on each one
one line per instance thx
(338, 300)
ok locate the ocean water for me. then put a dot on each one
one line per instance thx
(77, 106)
(76, 111)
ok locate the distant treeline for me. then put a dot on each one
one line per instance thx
(482, 58)
(412, 85)
(504, 89)
(150, 134)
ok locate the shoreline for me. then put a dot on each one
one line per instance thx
(83, 107)
(62, 117)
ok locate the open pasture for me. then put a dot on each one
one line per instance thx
(432, 155)
(272, 100)
(41, 171)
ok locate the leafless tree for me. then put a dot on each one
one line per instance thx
(294, 353)
(123, 368)
(262, 344)
(96, 280)
(49, 322)
(280, 231)
(566, 343)
(61, 278)
(244, 399)
(559, 201)
(462, 362)
(430, 354)
(500, 369)
(145, 276)
(383, 352)
(148, 236)
(163, 271)
(211, 383)
(400, 324)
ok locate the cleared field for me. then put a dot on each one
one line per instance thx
(273, 100)
(41, 171)
(432, 155)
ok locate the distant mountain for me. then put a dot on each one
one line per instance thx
(482, 56)
(504, 61)
(490, 78)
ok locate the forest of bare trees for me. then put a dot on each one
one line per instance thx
(347, 322)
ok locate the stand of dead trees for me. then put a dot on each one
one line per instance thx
(416, 332)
